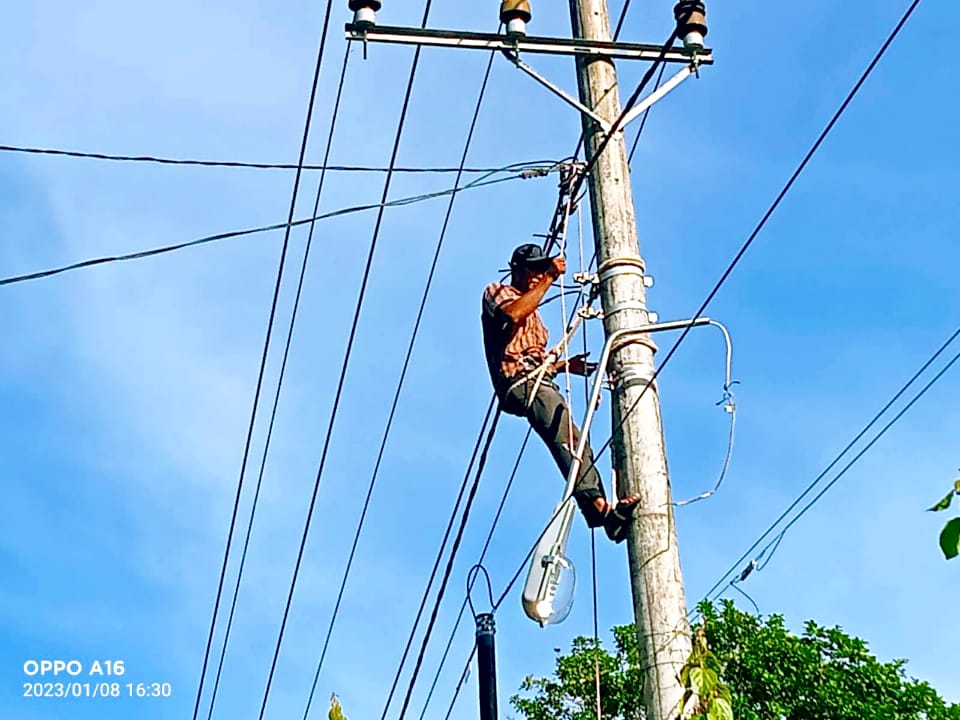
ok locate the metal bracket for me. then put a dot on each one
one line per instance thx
(526, 44)
(658, 94)
(652, 317)
(514, 57)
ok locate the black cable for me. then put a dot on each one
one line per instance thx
(276, 398)
(41, 274)
(266, 349)
(763, 222)
(343, 370)
(325, 167)
(623, 16)
(448, 571)
(646, 114)
(460, 683)
(483, 554)
(873, 421)
(399, 389)
(436, 565)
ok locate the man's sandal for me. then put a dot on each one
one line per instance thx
(618, 519)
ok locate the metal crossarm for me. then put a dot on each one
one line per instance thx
(526, 44)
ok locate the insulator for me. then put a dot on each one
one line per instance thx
(365, 11)
(515, 14)
(691, 18)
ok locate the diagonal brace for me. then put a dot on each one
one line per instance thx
(560, 92)
(658, 94)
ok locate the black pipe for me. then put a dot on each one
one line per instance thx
(487, 666)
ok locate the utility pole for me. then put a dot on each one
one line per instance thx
(639, 452)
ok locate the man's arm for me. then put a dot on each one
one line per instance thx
(520, 309)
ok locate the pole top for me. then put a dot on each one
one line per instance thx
(486, 625)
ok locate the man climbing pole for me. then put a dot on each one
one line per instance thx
(515, 342)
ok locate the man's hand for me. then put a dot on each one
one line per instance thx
(578, 365)
(558, 268)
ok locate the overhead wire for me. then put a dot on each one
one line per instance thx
(324, 167)
(141, 254)
(483, 554)
(276, 399)
(646, 115)
(448, 571)
(266, 349)
(623, 17)
(400, 383)
(346, 363)
(719, 585)
(484, 431)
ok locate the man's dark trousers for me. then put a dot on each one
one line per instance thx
(549, 416)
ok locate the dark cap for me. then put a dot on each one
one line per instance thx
(530, 256)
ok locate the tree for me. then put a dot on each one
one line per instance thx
(772, 674)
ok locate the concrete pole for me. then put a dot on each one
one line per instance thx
(639, 452)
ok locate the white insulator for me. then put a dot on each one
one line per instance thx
(693, 41)
(517, 26)
(365, 16)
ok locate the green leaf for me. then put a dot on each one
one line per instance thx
(720, 709)
(943, 504)
(704, 680)
(956, 487)
(950, 539)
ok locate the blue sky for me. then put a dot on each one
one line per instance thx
(125, 390)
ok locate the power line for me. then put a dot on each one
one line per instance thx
(483, 554)
(623, 16)
(276, 398)
(460, 683)
(766, 217)
(399, 389)
(152, 159)
(266, 348)
(345, 366)
(836, 461)
(41, 274)
(646, 114)
(439, 558)
(448, 571)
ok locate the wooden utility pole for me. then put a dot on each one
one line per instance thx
(639, 452)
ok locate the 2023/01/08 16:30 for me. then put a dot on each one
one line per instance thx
(96, 690)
